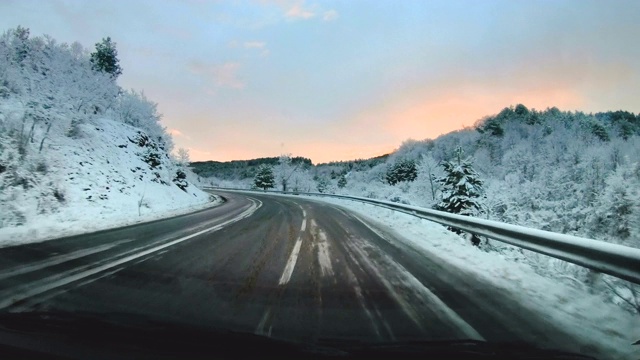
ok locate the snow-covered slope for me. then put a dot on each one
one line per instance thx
(77, 152)
(107, 174)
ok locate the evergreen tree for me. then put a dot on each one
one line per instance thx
(264, 178)
(181, 180)
(322, 184)
(105, 58)
(21, 43)
(403, 170)
(599, 131)
(342, 182)
(461, 188)
(491, 126)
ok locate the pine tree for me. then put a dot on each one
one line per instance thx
(322, 184)
(342, 182)
(599, 131)
(264, 178)
(403, 170)
(105, 58)
(21, 43)
(461, 188)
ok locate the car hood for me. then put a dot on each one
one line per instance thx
(46, 335)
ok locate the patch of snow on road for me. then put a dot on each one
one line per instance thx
(404, 287)
(324, 255)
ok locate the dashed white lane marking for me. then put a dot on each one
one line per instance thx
(293, 258)
(74, 275)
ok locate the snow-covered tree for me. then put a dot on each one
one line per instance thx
(301, 180)
(428, 169)
(402, 170)
(181, 180)
(105, 58)
(322, 184)
(264, 178)
(617, 212)
(182, 157)
(284, 170)
(21, 45)
(342, 181)
(461, 188)
(136, 110)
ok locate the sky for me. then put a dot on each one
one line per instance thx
(340, 80)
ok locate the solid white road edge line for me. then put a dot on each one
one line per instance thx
(58, 259)
(58, 282)
(433, 298)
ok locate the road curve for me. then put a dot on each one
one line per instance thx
(278, 266)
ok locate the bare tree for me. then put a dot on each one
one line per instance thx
(284, 170)
(182, 157)
(428, 168)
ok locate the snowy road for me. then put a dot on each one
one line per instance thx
(277, 266)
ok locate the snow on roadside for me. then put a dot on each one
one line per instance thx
(586, 315)
(96, 181)
(54, 227)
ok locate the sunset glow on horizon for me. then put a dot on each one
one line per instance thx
(340, 80)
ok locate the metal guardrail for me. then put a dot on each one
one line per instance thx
(613, 259)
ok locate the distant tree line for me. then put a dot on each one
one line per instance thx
(241, 169)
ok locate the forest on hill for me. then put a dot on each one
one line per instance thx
(563, 171)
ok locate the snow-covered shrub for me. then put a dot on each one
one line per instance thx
(181, 180)
(324, 185)
(4, 92)
(342, 181)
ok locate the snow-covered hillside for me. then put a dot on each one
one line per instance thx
(77, 153)
(106, 177)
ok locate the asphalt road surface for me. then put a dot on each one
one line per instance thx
(284, 267)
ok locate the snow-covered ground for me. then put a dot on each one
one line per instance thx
(96, 180)
(603, 324)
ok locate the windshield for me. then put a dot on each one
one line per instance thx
(414, 177)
